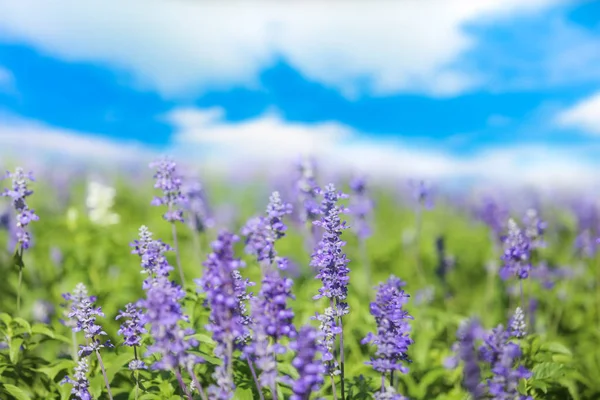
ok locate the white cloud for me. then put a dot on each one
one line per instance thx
(270, 141)
(22, 139)
(180, 46)
(584, 115)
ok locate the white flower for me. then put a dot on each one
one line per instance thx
(100, 200)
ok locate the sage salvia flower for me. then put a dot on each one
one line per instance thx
(306, 361)
(272, 322)
(169, 182)
(393, 330)
(80, 381)
(534, 228)
(517, 251)
(421, 193)
(132, 328)
(328, 257)
(84, 314)
(328, 330)
(152, 254)
(198, 214)
(307, 189)
(502, 355)
(469, 332)
(262, 232)
(223, 289)
(18, 194)
(517, 324)
(163, 311)
(494, 216)
(361, 207)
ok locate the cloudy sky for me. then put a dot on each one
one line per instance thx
(501, 89)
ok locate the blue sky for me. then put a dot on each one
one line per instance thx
(446, 87)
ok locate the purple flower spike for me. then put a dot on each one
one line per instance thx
(392, 338)
(468, 333)
(170, 183)
(502, 355)
(328, 257)
(84, 314)
(262, 232)
(198, 214)
(273, 320)
(361, 207)
(310, 368)
(307, 189)
(422, 193)
(80, 381)
(164, 314)
(24, 215)
(517, 251)
(225, 296)
(132, 328)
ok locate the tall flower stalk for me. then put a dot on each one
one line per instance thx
(307, 191)
(421, 193)
(84, 314)
(306, 361)
(361, 207)
(131, 329)
(331, 264)
(24, 215)
(224, 290)
(393, 331)
(161, 309)
(169, 182)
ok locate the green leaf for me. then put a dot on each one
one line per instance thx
(548, 370)
(53, 370)
(540, 385)
(556, 347)
(41, 329)
(23, 323)
(114, 365)
(16, 392)
(4, 317)
(15, 348)
(243, 394)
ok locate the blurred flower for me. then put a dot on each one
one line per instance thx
(467, 334)
(100, 201)
(198, 215)
(421, 193)
(517, 324)
(361, 207)
(534, 228)
(42, 311)
(56, 256)
(516, 255)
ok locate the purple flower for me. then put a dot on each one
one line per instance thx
(328, 330)
(307, 189)
(392, 338)
(501, 355)
(170, 183)
(422, 193)
(162, 310)
(198, 213)
(132, 327)
(262, 232)
(534, 228)
(361, 207)
(468, 333)
(84, 314)
(152, 253)
(19, 194)
(310, 368)
(273, 320)
(328, 257)
(225, 294)
(494, 216)
(517, 251)
(80, 381)
(517, 324)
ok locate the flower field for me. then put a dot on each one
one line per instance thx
(158, 284)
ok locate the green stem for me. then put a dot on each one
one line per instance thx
(104, 374)
(253, 372)
(176, 247)
(19, 291)
(74, 339)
